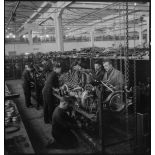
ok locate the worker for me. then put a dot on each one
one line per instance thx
(73, 77)
(113, 76)
(51, 84)
(28, 83)
(63, 125)
(99, 72)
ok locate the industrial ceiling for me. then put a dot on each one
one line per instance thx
(78, 18)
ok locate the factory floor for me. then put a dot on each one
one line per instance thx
(39, 133)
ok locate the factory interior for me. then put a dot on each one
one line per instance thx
(77, 77)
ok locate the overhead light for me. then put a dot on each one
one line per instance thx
(7, 36)
(47, 35)
(14, 36)
(24, 36)
(135, 4)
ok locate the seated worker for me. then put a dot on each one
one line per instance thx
(99, 72)
(27, 78)
(62, 124)
(113, 76)
(49, 99)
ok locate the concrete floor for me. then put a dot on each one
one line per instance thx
(39, 132)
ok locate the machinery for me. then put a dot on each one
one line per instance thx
(86, 108)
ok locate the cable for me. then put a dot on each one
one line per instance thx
(114, 33)
(126, 72)
(134, 88)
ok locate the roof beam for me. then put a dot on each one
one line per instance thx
(94, 12)
(88, 6)
(57, 7)
(104, 20)
(33, 15)
(13, 13)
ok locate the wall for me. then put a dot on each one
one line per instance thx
(46, 47)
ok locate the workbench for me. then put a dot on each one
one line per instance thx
(16, 137)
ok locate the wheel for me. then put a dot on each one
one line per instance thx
(115, 102)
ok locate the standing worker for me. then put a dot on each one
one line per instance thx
(50, 101)
(27, 84)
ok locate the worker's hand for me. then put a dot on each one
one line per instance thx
(93, 117)
(56, 90)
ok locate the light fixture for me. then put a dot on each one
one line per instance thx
(47, 36)
(14, 36)
(7, 36)
(135, 4)
(24, 36)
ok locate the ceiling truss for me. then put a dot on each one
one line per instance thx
(77, 17)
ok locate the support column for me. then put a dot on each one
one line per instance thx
(59, 32)
(140, 37)
(148, 31)
(92, 38)
(30, 41)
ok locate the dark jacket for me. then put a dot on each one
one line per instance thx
(51, 82)
(115, 78)
(61, 128)
(27, 78)
(98, 75)
(61, 122)
(50, 101)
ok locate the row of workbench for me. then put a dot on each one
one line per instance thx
(16, 137)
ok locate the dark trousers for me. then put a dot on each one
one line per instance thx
(65, 140)
(50, 102)
(27, 93)
(39, 95)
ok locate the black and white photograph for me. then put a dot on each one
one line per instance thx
(77, 77)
